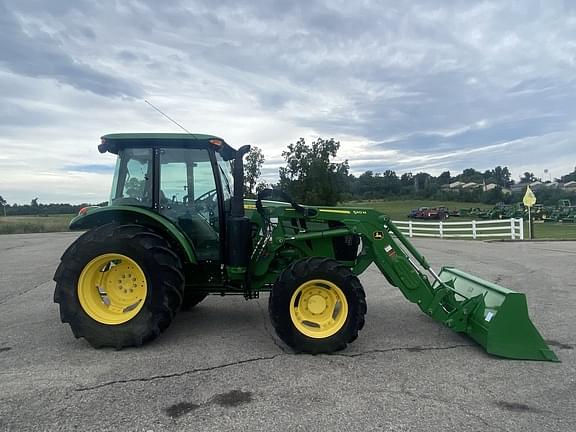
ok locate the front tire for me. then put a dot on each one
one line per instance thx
(119, 285)
(317, 305)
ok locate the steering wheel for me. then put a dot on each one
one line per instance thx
(208, 196)
(207, 199)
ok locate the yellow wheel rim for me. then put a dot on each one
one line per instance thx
(112, 289)
(318, 308)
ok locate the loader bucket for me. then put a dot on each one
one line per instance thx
(499, 322)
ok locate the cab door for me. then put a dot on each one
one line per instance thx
(189, 197)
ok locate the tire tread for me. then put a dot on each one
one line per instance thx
(166, 284)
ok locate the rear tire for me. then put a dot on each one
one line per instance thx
(86, 288)
(317, 305)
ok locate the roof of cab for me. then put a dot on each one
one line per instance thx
(114, 142)
(159, 136)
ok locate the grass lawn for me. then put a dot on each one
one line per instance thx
(398, 210)
(34, 224)
(556, 231)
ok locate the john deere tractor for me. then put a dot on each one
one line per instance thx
(177, 229)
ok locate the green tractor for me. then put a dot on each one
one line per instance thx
(177, 229)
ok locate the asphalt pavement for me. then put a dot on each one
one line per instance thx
(220, 367)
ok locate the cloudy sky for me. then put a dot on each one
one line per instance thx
(409, 86)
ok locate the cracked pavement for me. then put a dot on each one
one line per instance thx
(220, 366)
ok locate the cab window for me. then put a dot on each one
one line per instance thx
(132, 182)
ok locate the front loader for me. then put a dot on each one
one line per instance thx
(177, 229)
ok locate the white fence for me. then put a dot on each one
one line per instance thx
(509, 228)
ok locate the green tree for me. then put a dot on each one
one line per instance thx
(528, 177)
(470, 175)
(373, 186)
(422, 182)
(3, 203)
(310, 175)
(366, 186)
(502, 176)
(390, 183)
(252, 170)
(407, 179)
(261, 186)
(444, 178)
(493, 196)
(34, 206)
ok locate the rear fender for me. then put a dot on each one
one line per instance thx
(97, 216)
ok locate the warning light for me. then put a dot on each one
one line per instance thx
(216, 142)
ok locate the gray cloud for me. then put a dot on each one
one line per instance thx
(90, 168)
(40, 55)
(438, 84)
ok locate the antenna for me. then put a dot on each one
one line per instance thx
(169, 118)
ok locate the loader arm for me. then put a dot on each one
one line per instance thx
(495, 317)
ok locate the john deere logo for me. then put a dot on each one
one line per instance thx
(378, 235)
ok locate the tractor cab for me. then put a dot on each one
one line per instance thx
(186, 178)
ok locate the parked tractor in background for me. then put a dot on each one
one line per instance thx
(438, 213)
(564, 212)
(177, 229)
(473, 212)
(503, 211)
